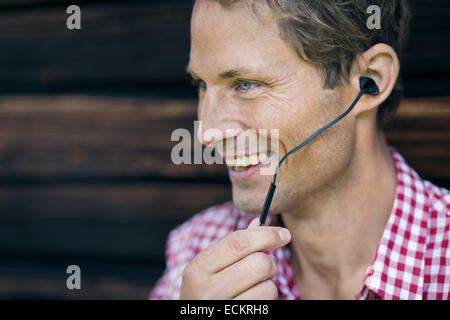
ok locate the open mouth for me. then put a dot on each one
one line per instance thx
(246, 162)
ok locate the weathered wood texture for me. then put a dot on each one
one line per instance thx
(421, 132)
(85, 170)
(76, 137)
(93, 137)
(108, 160)
(143, 47)
(84, 177)
(90, 179)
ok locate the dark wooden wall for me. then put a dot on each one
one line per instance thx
(85, 124)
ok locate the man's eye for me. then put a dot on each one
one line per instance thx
(245, 85)
(202, 84)
(199, 83)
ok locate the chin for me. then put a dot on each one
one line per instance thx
(251, 200)
(248, 201)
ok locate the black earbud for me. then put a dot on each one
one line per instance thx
(366, 85)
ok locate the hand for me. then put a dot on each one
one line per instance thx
(235, 267)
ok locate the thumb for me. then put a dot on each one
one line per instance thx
(253, 224)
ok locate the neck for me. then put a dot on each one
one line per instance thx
(337, 230)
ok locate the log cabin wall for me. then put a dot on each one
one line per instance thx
(85, 124)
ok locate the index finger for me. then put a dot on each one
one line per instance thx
(239, 244)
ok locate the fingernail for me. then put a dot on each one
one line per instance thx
(285, 235)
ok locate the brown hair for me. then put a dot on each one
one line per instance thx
(332, 33)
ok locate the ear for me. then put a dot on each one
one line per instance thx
(380, 62)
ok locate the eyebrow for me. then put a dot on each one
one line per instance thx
(232, 73)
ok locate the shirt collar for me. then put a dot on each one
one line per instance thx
(397, 271)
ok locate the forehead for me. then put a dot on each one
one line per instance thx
(239, 19)
(231, 37)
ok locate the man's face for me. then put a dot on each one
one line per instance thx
(273, 88)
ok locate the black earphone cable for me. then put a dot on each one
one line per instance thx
(304, 143)
(367, 85)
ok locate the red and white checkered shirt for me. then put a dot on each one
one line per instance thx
(412, 259)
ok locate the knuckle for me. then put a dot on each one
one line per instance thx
(238, 242)
(272, 290)
(186, 273)
(265, 264)
(192, 284)
(190, 272)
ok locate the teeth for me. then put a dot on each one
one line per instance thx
(262, 157)
(245, 161)
(253, 159)
(230, 162)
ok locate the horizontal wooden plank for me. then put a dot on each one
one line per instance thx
(143, 46)
(429, 108)
(116, 230)
(16, 287)
(101, 279)
(68, 137)
(88, 136)
(122, 45)
(127, 221)
(421, 133)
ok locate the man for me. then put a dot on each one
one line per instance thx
(350, 218)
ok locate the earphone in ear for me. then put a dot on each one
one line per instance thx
(369, 86)
(366, 85)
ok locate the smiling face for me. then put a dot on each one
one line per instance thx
(249, 78)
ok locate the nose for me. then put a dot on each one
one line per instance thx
(216, 119)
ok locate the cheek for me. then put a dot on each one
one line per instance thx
(328, 157)
(314, 168)
(321, 160)
(270, 111)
